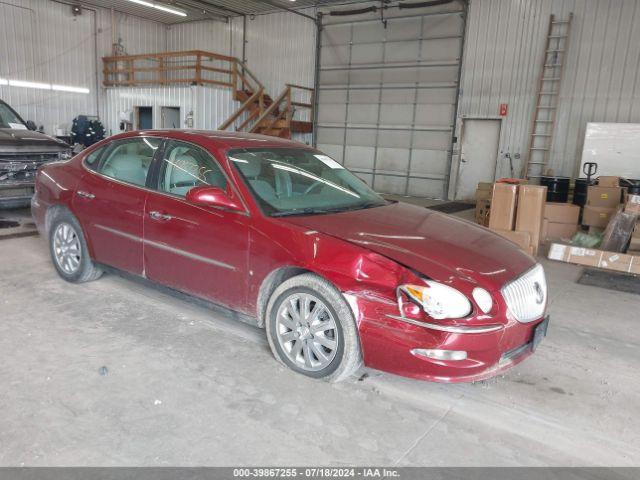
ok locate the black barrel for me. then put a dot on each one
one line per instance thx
(557, 188)
(633, 185)
(580, 192)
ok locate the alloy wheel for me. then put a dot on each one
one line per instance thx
(67, 248)
(307, 331)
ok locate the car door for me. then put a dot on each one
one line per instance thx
(109, 201)
(196, 249)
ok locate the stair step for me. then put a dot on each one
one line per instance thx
(299, 126)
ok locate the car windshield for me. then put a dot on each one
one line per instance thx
(299, 181)
(8, 118)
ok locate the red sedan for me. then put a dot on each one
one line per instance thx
(283, 234)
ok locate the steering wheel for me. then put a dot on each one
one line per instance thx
(312, 187)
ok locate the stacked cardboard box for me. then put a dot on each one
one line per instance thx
(561, 220)
(602, 202)
(483, 202)
(503, 206)
(620, 262)
(517, 213)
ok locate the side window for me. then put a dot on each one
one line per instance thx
(91, 160)
(185, 166)
(129, 160)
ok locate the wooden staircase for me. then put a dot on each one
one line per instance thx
(260, 113)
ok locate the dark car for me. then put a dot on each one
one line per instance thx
(284, 234)
(22, 151)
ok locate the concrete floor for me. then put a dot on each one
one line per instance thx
(117, 373)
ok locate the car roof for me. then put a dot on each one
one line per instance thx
(219, 138)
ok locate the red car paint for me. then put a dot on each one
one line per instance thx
(227, 256)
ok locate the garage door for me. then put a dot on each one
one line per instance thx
(387, 95)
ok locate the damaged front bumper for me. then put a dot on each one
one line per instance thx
(436, 351)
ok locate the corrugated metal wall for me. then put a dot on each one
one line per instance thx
(210, 106)
(42, 41)
(208, 35)
(281, 49)
(47, 45)
(502, 61)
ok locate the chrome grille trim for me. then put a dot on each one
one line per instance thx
(526, 296)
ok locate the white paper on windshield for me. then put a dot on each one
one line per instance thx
(329, 162)
(17, 126)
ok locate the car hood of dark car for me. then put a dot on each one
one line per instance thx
(11, 138)
(437, 245)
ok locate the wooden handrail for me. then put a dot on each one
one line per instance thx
(249, 72)
(269, 110)
(183, 53)
(293, 85)
(250, 101)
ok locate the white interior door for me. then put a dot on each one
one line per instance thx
(170, 117)
(480, 139)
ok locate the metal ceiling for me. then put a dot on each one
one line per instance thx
(205, 9)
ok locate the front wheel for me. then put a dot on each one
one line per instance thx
(311, 329)
(69, 251)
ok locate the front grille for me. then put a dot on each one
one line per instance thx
(526, 296)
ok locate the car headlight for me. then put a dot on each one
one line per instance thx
(65, 155)
(437, 300)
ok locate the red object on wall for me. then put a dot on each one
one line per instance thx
(504, 108)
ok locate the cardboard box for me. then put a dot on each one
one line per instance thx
(633, 204)
(482, 212)
(561, 230)
(605, 181)
(561, 212)
(545, 230)
(607, 197)
(531, 202)
(636, 230)
(522, 239)
(503, 206)
(483, 191)
(597, 216)
(590, 257)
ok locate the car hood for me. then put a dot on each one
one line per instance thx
(437, 245)
(10, 138)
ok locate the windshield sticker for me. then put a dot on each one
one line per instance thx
(329, 162)
(17, 126)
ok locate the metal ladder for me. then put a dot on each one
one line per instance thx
(547, 96)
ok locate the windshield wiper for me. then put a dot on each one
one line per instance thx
(304, 211)
(314, 211)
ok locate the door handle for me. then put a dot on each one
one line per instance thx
(159, 216)
(83, 194)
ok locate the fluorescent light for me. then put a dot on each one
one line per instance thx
(43, 86)
(159, 7)
(67, 88)
(22, 83)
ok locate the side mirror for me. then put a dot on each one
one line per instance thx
(212, 197)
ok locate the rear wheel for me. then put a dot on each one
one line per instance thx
(69, 251)
(311, 329)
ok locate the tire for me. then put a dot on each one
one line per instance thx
(66, 233)
(313, 345)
